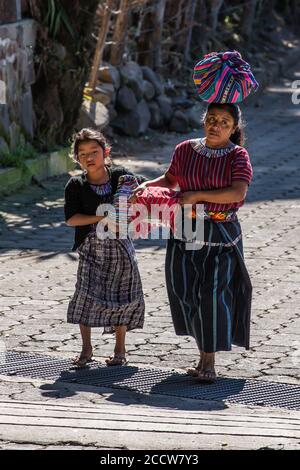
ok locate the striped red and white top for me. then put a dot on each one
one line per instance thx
(198, 167)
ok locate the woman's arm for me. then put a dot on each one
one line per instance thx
(234, 193)
(165, 181)
(83, 219)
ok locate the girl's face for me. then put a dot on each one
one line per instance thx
(218, 127)
(91, 156)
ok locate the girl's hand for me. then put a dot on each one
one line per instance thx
(189, 197)
(137, 192)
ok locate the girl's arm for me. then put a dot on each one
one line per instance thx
(234, 193)
(83, 219)
(73, 207)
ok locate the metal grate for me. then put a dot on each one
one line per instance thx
(147, 380)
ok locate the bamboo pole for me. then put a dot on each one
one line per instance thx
(105, 21)
(120, 32)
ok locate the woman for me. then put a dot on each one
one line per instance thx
(209, 289)
(108, 290)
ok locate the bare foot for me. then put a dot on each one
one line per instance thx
(207, 373)
(194, 371)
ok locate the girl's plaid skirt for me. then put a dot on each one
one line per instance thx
(109, 288)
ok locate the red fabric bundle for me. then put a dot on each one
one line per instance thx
(162, 204)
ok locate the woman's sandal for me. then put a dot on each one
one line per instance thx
(194, 372)
(82, 361)
(207, 375)
(116, 360)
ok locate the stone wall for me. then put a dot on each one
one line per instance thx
(10, 11)
(137, 99)
(17, 119)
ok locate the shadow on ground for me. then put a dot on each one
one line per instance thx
(32, 219)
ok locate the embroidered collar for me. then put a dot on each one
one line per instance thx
(101, 189)
(200, 147)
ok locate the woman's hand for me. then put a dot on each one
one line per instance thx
(189, 197)
(137, 192)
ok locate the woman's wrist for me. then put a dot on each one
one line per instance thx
(198, 197)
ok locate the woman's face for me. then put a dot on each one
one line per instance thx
(218, 127)
(91, 156)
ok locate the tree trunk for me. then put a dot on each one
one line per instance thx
(120, 32)
(144, 53)
(34, 7)
(157, 33)
(149, 41)
(105, 21)
(191, 16)
(214, 9)
(248, 18)
(201, 29)
(295, 15)
(62, 66)
(179, 14)
(267, 6)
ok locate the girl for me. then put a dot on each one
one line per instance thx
(108, 290)
(209, 289)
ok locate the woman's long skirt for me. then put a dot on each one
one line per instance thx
(209, 289)
(108, 291)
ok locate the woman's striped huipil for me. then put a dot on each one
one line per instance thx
(209, 289)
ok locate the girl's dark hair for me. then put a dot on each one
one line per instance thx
(84, 135)
(233, 109)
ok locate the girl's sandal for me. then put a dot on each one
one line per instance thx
(82, 361)
(116, 360)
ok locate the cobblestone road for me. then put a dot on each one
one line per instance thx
(37, 270)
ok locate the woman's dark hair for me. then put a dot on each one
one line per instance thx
(86, 134)
(238, 137)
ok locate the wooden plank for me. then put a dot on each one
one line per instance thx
(167, 418)
(125, 439)
(140, 425)
(233, 412)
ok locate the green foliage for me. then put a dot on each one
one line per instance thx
(17, 156)
(56, 17)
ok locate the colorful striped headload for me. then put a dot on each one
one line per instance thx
(224, 77)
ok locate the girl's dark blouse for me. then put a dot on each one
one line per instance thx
(81, 199)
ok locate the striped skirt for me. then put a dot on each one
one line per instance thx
(108, 291)
(209, 289)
